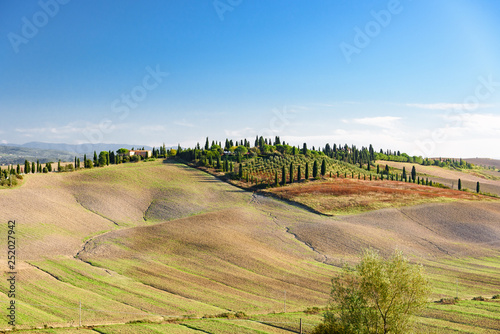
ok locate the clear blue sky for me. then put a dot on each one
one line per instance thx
(416, 76)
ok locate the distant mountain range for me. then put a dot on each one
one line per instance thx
(45, 152)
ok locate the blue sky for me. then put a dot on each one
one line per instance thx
(417, 76)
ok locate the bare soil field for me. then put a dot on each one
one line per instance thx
(484, 162)
(152, 241)
(450, 177)
(350, 196)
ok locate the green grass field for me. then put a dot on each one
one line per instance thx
(155, 242)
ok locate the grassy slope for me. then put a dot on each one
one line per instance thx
(230, 250)
(450, 177)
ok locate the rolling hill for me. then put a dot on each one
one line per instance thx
(158, 240)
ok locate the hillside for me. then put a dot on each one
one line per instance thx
(17, 155)
(155, 240)
(450, 177)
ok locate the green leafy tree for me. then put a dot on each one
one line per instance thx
(103, 158)
(376, 296)
(241, 150)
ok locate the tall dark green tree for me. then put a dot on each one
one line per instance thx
(85, 161)
(33, 167)
(299, 174)
(103, 158)
(96, 162)
(413, 174)
(315, 169)
(378, 169)
(283, 175)
(18, 169)
(240, 171)
(306, 173)
(207, 145)
(478, 188)
(404, 173)
(459, 184)
(276, 178)
(323, 167)
(304, 149)
(27, 168)
(291, 172)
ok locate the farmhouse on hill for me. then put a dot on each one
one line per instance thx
(143, 153)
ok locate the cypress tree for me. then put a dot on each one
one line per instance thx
(315, 169)
(291, 172)
(95, 159)
(85, 161)
(283, 175)
(276, 177)
(459, 184)
(323, 167)
(299, 174)
(306, 176)
(478, 189)
(59, 165)
(218, 162)
(404, 173)
(378, 169)
(240, 171)
(26, 167)
(413, 174)
(18, 170)
(33, 167)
